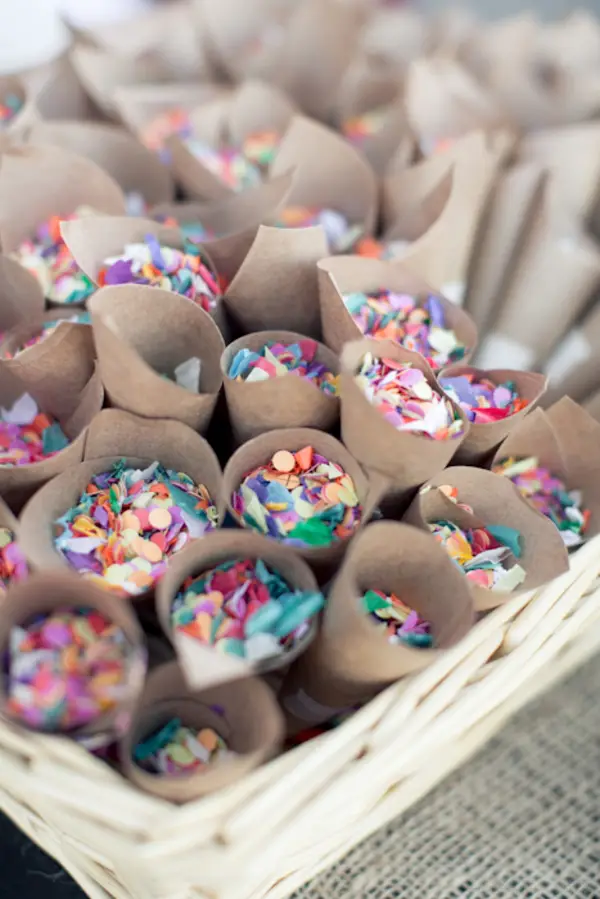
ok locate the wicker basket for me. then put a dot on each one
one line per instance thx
(269, 834)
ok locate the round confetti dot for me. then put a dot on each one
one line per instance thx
(284, 461)
(160, 519)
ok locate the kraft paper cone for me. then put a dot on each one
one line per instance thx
(405, 459)
(58, 92)
(322, 177)
(573, 369)
(11, 86)
(592, 405)
(495, 501)
(131, 165)
(244, 713)
(47, 591)
(39, 182)
(260, 450)
(513, 206)
(21, 299)
(203, 666)
(558, 260)
(283, 402)
(139, 105)
(276, 285)
(482, 439)
(397, 35)
(116, 435)
(351, 658)
(534, 436)
(141, 335)
(71, 405)
(340, 275)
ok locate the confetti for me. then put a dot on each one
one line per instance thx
(187, 374)
(406, 399)
(402, 624)
(48, 258)
(135, 203)
(48, 328)
(420, 327)
(129, 522)
(301, 499)
(341, 235)
(66, 669)
(550, 496)
(276, 359)
(13, 565)
(27, 435)
(168, 124)
(261, 148)
(175, 750)
(482, 400)
(370, 248)
(228, 164)
(358, 128)
(10, 107)
(486, 555)
(191, 231)
(182, 271)
(246, 609)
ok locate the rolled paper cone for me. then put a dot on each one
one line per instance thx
(244, 713)
(116, 436)
(282, 262)
(536, 437)
(13, 88)
(340, 275)
(139, 105)
(351, 658)
(37, 183)
(259, 451)
(202, 665)
(322, 177)
(58, 92)
(495, 501)
(483, 438)
(287, 401)
(21, 298)
(134, 168)
(74, 409)
(404, 458)
(45, 593)
(398, 35)
(513, 206)
(573, 368)
(140, 337)
(592, 405)
(558, 260)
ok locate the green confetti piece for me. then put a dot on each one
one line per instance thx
(507, 537)
(53, 439)
(264, 619)
(310, 605)
(373, 601)
(313, 532)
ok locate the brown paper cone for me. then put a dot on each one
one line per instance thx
(495, 501)
(202, 665)
(405, 459)
(281, 264)
(39, 182)
(139, 105)
(573, 369)
(133, 167)
(11, 86)
(351, 658)
(558, 260)
(116, 435)
(283, 402)
(250, 723)
(398, 35)
(259, 451)
(21, 298)
(58, 92)
(44, 593)
(141, 335)
(592, 405)
(340, 275)
(482, 439)
(534, 436)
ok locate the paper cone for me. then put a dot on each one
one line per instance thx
(482, 439)
(141, 335)
(47, 591)
(116, 435)
(21, 299)
(534, 436)
(405, 459)
(131, 165)
(58, 91)
(397, 35)
(200, 667)
(495, 501)
(573, 368)
(558, 260)
(139, 105)
(283, 402)
(259, 451)
(573, 42)
(11, 86)
(340, 275)
(281, 264)
(592, 405)
(351, 658)
(244, 713)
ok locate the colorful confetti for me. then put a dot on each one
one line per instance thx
(182, 271)
(370, 248)
(175, 750)
(10, 107)
(301, 499)
(228, 164)
(48, 328)
(261, 148)
(407, 400)
(358, 128)
(417, 326)
(402, 624)
(48, 258)
(191, 231)
(246, 609)
(13, 565)
(277, 359)
(482, 400)
(341, 234)
(168, 124)
(66, 669)
(27, 435)
(129, 522)
(487, 555)
(550, 496)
